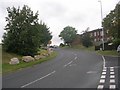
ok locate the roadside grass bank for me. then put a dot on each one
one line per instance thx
(92, 49)
(7, 68)
(80, 47)
(108, 53)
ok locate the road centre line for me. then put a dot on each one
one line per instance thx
(68, 63)
(75, 58)
(38, 79)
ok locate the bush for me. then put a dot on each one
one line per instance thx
(116, 42)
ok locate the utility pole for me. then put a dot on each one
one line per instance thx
(101, 25)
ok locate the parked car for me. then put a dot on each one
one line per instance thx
(118, 48)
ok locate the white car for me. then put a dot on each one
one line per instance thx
(118, 48)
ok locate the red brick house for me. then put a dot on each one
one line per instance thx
(97, 36)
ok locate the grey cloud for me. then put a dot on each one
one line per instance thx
(52, 9)
(59, 13)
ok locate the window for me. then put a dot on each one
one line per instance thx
(98, 33)
(94, 33)
(101, 33)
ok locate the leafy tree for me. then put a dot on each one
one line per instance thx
(61, 45)
(45, 34)
(23, 33)
(68, 35)
(86, 40)
(111, 23)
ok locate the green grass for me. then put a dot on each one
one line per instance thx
(7, 68)
(92, 48)
(108, 52)
(7, 56)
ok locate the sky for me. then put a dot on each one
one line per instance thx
(58, 14)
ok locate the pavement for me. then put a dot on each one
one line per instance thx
(70, 69)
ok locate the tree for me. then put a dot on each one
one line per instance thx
(68, 35)
(45, 34)
(111, 23)
(61, 45)
(86, 40)
(23, 33)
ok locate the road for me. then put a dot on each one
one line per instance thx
(70, 69)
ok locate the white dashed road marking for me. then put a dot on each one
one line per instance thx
(112, 80)
(68, 63)
(103, 72)
(38, 79)
(75, 58)
(112, 76)
(112, 86)
(102, 81)
(103, 76)
(100, 86)
(112, 72)
(112, 69)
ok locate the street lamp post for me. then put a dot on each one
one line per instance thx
(101, 24)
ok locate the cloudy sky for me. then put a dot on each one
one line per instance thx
(58, 14)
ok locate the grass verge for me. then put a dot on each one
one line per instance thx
(92, 48)
(108, 53)
(81, 47)
(7, 68)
